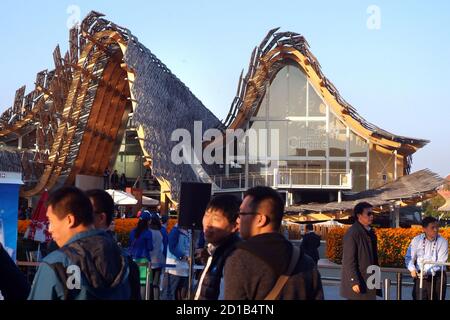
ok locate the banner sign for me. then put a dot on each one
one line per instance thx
(9, 206)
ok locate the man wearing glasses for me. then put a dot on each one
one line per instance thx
(428, 246)
(266, 265)
(359, 252)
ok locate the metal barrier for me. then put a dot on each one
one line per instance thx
(287, 177)
(399, 272)
(441, 288)
(387, 289)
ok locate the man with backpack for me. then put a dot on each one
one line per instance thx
(266, 266)
(88, 265)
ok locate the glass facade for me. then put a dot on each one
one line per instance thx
(309, 137)
(130, 161)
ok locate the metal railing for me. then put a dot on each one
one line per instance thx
(441, 287)
(399, 283)
(287, 178)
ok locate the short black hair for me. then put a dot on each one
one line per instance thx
(71, 200)
(102, 202)
(359, 208)
(309, 227)
(427, 220)
(260, 194)
(227, 203)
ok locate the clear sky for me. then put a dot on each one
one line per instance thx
(391, 63)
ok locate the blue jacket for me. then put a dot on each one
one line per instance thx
(173, 242)
(102, 275)
(175, 248)
(141, 247)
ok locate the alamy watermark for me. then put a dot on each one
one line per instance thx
(231, 147)
(74, 19)
(373, 22)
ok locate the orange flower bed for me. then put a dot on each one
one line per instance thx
(392, 244)
(123, 227)
(23, 225)
(334, 244)
(126, 225)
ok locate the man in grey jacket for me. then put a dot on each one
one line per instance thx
(359, 253)
(252, 271)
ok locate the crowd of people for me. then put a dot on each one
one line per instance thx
(113, 180)
(245, 256)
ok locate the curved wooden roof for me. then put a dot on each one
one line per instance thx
(79, 110)
(275, 51)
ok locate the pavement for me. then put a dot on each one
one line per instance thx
(331, 274)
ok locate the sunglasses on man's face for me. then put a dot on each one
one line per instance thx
(240, 213)
(370, 213)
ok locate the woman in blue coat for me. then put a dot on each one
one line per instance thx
(141, 245)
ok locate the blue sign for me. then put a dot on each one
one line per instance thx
(9, 206)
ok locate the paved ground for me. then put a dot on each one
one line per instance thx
(331, 287)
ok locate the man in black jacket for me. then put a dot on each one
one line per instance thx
(311, 243)
(103, 208)
(359, 253)
(115, 180)
(13, 283)
(219, 227)
(254, 269)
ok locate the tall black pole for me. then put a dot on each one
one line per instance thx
(191, 263)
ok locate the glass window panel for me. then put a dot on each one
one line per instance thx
(278, 95)
(316, 107)
(359, 171)
(261, 113)
(316, 139)
(258, 143)
(297, 138)
(297, 164)
(337, 172)
(337, 137)
(296, 91)
(298, 171)
(358, 146)
(278, 144)
(316, 174)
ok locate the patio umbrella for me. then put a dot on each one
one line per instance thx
(122, 198)
(38, 228)
(330, 223)
(147, 201)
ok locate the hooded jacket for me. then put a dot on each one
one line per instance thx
(90, 266)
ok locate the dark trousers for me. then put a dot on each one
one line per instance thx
(426, 293)
(105, 182)
(154, 293)
(174, 287)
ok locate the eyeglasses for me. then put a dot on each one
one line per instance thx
(370, 213)
(240, 213)
(253, 214)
